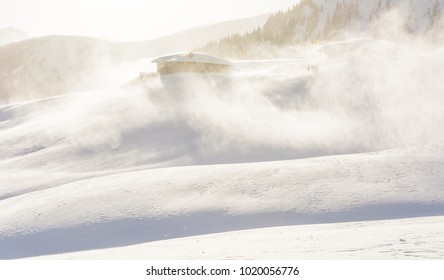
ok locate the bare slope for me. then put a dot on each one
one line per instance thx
(55, 65)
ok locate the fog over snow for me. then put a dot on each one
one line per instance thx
(269, 160)
(134, 20)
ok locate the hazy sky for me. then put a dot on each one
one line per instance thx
(126, 19)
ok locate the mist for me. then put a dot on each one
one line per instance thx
(103, 152)
(367, 96)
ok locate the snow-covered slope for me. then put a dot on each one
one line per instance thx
(415, 238)
(267, 145)
(66, 212)
(11, 34)
(314, 21)
(383, 16)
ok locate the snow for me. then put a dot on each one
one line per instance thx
(416, 238)
(89, 63)
(11, 34)
(414, 14)
(192, 58)
(275, 162)
(133, 207)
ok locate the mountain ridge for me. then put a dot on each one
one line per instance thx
(11, 34)
(314, 21)
(59, 64)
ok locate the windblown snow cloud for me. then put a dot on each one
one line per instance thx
(80, 171)
(368, 95)
(358, 102)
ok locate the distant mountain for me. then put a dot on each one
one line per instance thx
(54, 65)
(318, 20)
(197, 37)
(11, 34)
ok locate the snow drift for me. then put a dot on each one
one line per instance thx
(151, 160)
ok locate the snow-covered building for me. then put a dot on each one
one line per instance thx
(191, 62)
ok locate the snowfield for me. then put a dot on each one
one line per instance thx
(132, 207)
(268, 162)
(417, 238)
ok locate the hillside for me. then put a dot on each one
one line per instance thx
(313, 21)
(188, 40)
(316, 204)
(54, 65)
(11, 34)
(370, 240)
(333, 161)
(335, 152)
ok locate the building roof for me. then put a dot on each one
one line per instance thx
(192, 58)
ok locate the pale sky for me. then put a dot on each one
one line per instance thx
(126, 19)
